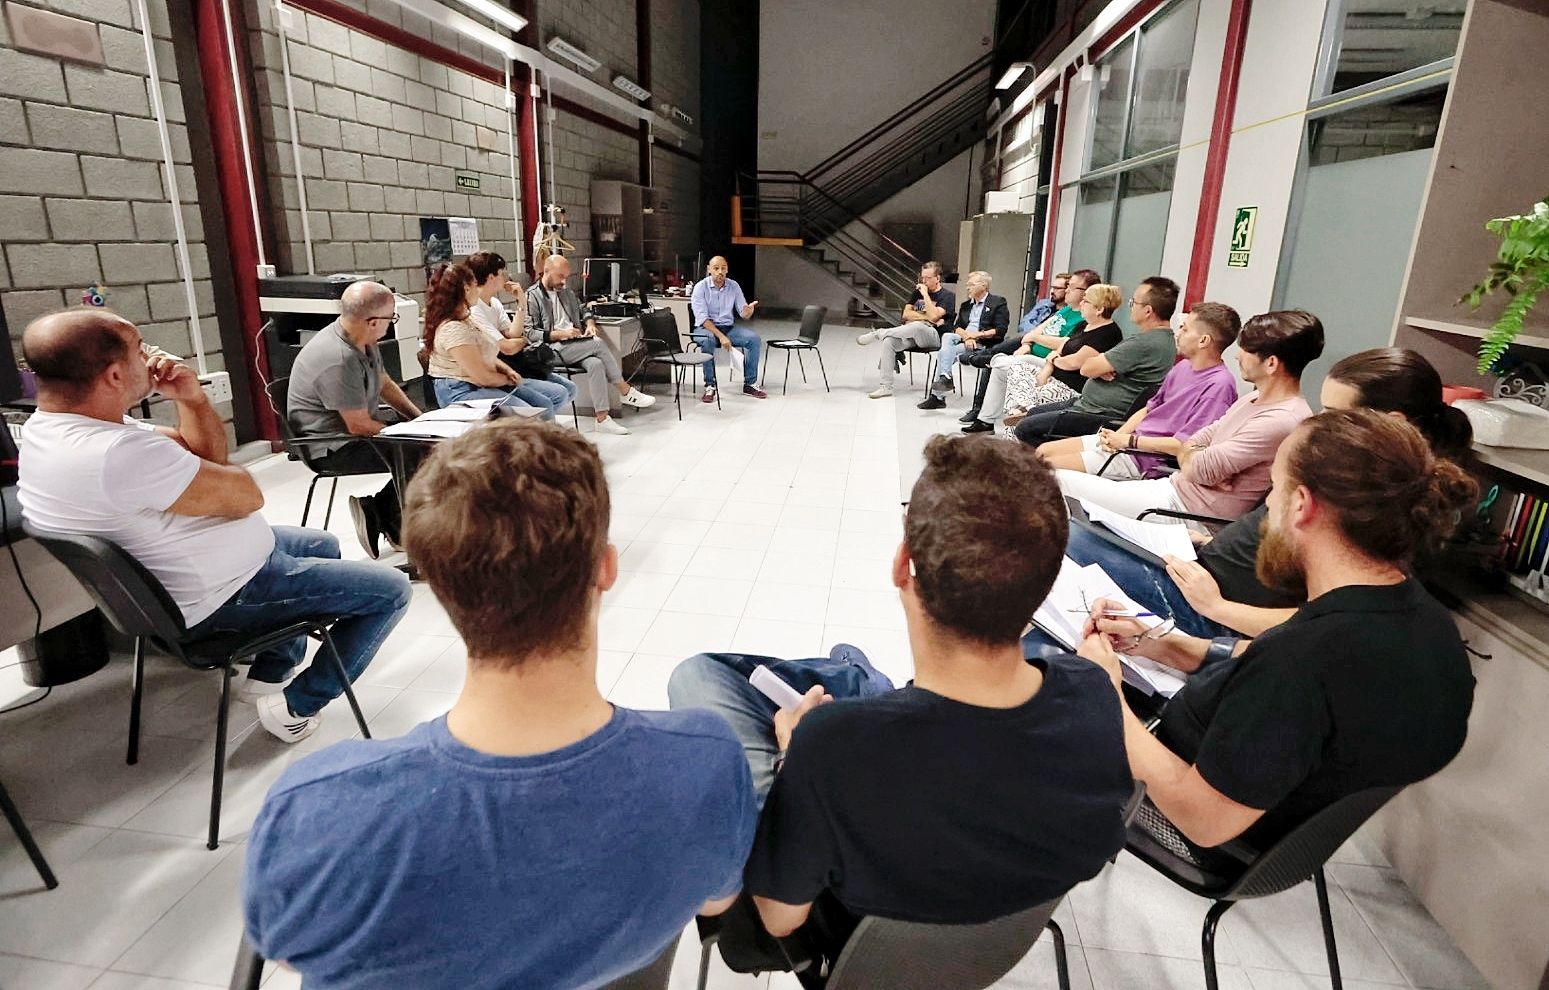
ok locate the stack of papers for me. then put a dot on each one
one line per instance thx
(1162, 539)
(1064, 612)
(435, 429)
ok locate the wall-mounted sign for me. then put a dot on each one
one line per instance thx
(467, 181)
(54, 34)
(1242, 236)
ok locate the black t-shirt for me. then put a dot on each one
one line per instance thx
(1105, 337)
(1230, 558)
(912, 806)
(1365, 686)
(942, 297)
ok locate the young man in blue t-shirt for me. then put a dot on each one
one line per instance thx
(535, 835)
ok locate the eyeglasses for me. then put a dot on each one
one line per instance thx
(390, 319)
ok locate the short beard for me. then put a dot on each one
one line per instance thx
(1276, 565)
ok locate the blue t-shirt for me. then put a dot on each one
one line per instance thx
(419, 862)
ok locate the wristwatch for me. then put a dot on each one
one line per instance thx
(1221, 648)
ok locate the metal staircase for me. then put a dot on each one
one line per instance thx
(818, 213)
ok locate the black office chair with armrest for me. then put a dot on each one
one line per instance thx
(806, 339)
(1301, 854)
(138, 606)
(1070, 426)
(659, 333)
(306, 450)
(248, 974)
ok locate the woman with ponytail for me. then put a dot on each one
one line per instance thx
(1221, 591)
(464, 360)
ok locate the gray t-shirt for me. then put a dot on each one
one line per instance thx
(330, 374)
(1138, 363)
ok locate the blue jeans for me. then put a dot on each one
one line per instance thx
(550, 394)
(450, 390)
(719, 682)
(302, 579)
(946, 358)
(742, 338)
(1142, 580)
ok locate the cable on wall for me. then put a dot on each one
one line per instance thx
(295, 137)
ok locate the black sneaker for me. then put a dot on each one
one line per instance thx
(366, 527)
(978, 426)
(944, 384)
(932, 402)
(969, 416)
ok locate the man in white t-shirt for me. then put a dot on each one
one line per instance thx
(169, 497)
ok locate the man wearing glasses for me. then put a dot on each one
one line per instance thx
(925, 315)
(337, 386)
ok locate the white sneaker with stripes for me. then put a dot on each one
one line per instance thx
(276, 717)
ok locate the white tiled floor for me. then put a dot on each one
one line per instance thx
(767, 526)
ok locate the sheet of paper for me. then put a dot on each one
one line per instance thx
(1063, 613)
(457, 413)
(433, 429)
(1150, 677)
(1162, 539)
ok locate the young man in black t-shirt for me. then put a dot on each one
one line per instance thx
(989, 784)
(1366, 685)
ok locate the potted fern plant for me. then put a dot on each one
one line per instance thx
(1522, 270)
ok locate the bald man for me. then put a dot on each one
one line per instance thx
(337, 387)
(717, 303)
(556, 317)
(171, 500)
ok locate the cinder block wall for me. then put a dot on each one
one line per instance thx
(384, 133)
(675, 80)
(81, 190)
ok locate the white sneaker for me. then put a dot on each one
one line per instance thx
(869, 337)
(252, 690)
(612, 427)
(276, 717)
(881, 392)
(638, 399)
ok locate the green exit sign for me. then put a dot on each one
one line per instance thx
(466, 181)
(1242, 236)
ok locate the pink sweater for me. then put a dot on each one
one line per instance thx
(1230, 475)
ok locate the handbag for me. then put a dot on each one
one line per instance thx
(534, 361)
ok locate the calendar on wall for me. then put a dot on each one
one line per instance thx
(465, 235)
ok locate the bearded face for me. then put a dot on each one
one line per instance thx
(1278, 565)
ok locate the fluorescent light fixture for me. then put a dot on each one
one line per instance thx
(680, 115)
(570, 53)
(495, 12)
(1012, 74)
(631, 87)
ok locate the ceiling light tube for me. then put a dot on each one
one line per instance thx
(496, 13)
(627, 85)
(570, 53)
(1012, 74)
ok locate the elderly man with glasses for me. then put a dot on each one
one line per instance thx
(338, 386)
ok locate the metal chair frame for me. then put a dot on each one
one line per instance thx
(299, 448)
(806, 339)
(23, 834)
(667, 348)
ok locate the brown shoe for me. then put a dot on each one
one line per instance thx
(1011, 421)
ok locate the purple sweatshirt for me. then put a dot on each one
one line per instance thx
(1188, 401)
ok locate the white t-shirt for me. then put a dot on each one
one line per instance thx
(82, 475)
(489, 316)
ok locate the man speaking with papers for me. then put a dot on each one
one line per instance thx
(1366, 685)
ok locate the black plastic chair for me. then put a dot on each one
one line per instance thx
(138, 606)
(659, 333)
(248, 974)
(1301, 854)
(806, 339)
(1062, 429)
(25, 836)
(304, 449)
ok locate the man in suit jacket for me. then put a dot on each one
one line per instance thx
(556, 317)
(982, 320)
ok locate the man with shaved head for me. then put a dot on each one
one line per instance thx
(717, 303)
(556, 317)
(337, 386)
(170, 499)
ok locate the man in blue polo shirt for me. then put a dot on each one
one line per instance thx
(717, 302)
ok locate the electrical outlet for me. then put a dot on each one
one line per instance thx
(217, 385)
(266, 271)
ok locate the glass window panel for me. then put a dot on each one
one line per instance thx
(1141, 230)
(1380, 38)
(1162, 80)
(1094, 219)
(1110, 90)
(1374, 130)
(1345, 257)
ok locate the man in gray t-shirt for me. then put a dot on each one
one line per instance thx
(337, 386)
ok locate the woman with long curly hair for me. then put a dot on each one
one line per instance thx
(464, 360)
(541, 386)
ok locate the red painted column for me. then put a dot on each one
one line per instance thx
(1215, 157)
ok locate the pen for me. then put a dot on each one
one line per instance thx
(1117, 615)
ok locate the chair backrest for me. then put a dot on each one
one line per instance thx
(812, 323)
(128, 594)
(431, 402)
(907, 955)
(1146, 395)
(1304, 850)
(662, 325)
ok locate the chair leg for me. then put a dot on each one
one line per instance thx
(136, 693)
(802, 365)
(1061, 963)
(785, 385)
(677, 389)
(1208, 941)
(1321, 883)
(221, 718)
(332, 491)
(306, 509)
(824, 370)
(344, 678)
(20, 828)
(704, 964)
